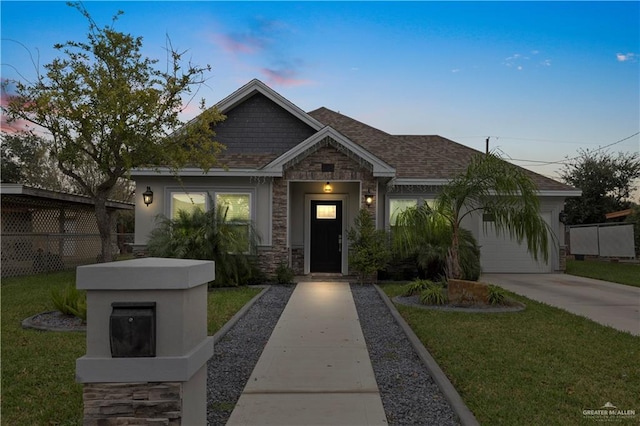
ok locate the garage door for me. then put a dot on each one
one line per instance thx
(500, 254)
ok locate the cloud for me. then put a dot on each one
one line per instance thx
(264, 46)
(238, 43)
(628, 57)
(7, 125)
(283, 77)
(261, 34)
(519, 61)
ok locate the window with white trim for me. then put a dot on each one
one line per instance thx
(399, 205)
(187, 202)
(236, 208)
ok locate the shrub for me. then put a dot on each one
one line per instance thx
(208, 236)
(417, 287)
(70, 301)
(496, 295)
(284, 274)
(433, 295)
(368, 248)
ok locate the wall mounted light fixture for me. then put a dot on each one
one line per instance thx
(562, 217)
(368, 198)
(327, 187)
(147, 196)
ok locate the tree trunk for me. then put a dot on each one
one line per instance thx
(104, 219)
(454, 254)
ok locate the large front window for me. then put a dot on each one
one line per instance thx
(399, 205)
(187, 202)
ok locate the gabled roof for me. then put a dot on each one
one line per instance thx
(407, 159)
(329, 136)
(256, 86)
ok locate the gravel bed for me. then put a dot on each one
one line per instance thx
(237, 353)
(409, 394)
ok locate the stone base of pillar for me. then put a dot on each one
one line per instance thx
(132, 404)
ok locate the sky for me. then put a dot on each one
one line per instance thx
(541, 80)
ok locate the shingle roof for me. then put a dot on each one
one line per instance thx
(415, 156)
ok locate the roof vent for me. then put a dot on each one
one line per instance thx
(327, 167)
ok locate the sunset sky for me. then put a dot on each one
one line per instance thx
(541, 79)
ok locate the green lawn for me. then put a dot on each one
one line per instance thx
(617, 272)
(38, 368)
(539, 366)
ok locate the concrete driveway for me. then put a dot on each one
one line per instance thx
(607, 303)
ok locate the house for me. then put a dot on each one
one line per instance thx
(302, 177)
(45, 230)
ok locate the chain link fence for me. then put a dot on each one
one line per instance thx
(35, 253)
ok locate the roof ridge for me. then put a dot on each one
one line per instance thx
(349, 118)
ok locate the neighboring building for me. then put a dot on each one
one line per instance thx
(46, 230)
(302, 177)
(618, 216)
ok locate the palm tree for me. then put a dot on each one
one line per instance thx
(423, 234)
(495, 187)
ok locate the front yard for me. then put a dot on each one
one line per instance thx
(539, 366)
(617, 272)
(38, 367)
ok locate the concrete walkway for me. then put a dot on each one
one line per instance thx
(607, 303)
(315, 368)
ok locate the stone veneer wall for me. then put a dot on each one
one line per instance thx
(562, 252)
(309, 169)
(297, 260)
(107, 404)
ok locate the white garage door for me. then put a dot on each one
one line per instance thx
(500, 254)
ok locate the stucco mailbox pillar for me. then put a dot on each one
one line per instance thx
(147, 343)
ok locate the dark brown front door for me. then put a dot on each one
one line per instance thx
(326, 236)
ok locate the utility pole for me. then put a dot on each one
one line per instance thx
(487, 146)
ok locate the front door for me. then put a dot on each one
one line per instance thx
(326, 236)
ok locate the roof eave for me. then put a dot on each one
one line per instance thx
(194, 171)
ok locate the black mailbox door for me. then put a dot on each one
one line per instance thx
(132, 329)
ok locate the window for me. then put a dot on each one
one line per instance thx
(326, 211)
(187, 202)
(397, 206)
(237, 210)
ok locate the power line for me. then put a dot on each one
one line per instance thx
(565, 161)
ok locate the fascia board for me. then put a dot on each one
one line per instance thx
(257, 86)
(418, 182)
(442, 182)
(380, 168)
(194, 171)
(11, 188)
(560, 193)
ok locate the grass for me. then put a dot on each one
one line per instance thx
(622, 273)
(539, 366)
(38, 367)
